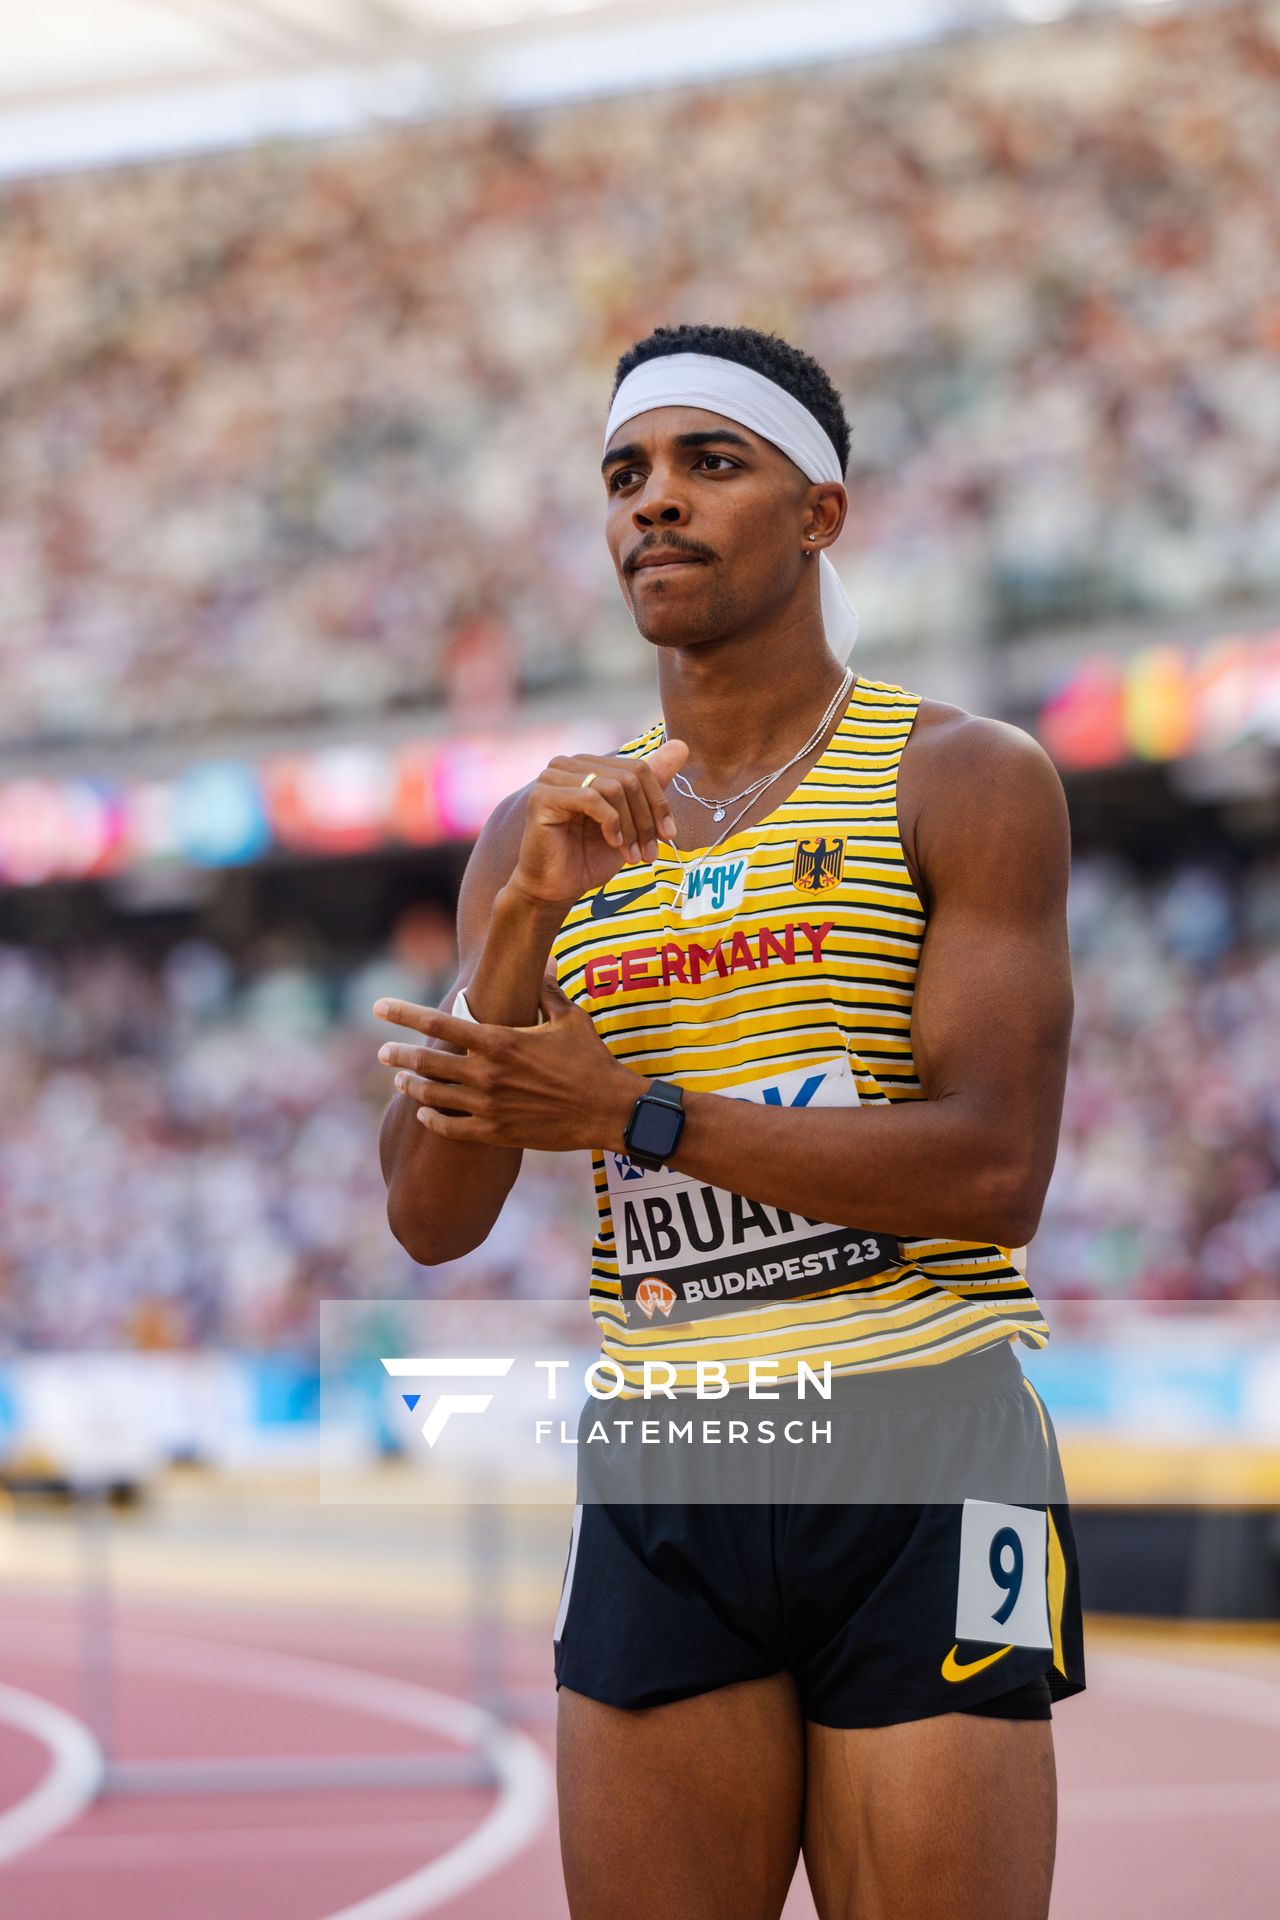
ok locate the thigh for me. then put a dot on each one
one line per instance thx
(953, 1817)
(690, 1810)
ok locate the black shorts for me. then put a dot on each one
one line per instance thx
(862, 1604)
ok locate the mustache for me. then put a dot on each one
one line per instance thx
(690, 549)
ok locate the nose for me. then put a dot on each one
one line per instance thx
(658, 505)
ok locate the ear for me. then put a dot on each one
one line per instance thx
(828, 505)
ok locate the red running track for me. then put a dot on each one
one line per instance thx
(1169, 1768)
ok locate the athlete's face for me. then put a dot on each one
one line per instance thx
(708, 525)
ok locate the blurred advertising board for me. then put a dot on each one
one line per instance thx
(347, 799)
(1165, 703)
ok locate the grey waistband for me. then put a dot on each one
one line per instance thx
(973, 1376)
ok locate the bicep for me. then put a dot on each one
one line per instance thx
(492, 862)
(992, 1011)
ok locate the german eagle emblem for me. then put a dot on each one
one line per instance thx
(819, 864)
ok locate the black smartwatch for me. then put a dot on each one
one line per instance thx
(655, 1125)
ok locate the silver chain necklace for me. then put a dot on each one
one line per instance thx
(808, 746)
(720, 807)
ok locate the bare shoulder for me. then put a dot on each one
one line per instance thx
(971, 787)
(971, 753)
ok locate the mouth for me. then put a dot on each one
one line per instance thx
(665, 563)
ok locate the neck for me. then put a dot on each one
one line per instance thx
(743, 704)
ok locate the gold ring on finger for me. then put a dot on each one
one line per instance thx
(587, 782)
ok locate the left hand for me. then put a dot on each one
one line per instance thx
(554, 1086)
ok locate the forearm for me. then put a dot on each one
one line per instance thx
(913, 1168)
(443, 1196)
(506, 983)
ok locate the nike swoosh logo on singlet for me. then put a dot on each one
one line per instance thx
(604, 905)
(952, 1669)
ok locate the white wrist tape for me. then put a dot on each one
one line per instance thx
(461, 1011)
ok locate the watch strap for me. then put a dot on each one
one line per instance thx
(667, 1092)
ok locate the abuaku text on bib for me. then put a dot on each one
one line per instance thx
(687, 1250)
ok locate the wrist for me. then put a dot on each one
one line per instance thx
(617, 1103)
(515, 898)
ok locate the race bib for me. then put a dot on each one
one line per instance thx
(687, 1250)
(1002, 1595)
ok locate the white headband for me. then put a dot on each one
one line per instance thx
(739, 393)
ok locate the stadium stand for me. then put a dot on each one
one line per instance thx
(301, 431)
(185, 1159)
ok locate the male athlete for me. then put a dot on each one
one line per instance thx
(792, 965)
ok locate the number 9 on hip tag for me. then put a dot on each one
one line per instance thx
(1003, 1587)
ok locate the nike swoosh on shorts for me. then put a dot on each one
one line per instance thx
(952, 1669)
(604, 905)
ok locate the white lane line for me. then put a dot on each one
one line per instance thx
(66, 1789)
(512, 1823)
(237, 1846)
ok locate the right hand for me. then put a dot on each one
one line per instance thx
(576, 837)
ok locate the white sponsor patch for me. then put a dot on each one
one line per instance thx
(713, 886)
(1002, 1596)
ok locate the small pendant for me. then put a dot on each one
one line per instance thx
(718, 814)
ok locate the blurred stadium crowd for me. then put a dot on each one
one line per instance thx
(186, 1150)
(1167, 1184)
(310, 429)
(188, 1153)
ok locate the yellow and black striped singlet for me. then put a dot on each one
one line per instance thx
(783, 971)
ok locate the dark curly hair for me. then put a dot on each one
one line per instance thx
(764, 353)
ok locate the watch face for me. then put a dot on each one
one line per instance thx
(653, 1129)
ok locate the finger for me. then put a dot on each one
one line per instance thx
(553, 999)
(469, 1036)
(611, 787)
(434, 1062)
(667, 760)
(450, 1097)
(561, 796)
(658, 803)
(452, 1126)
(404, 1013)
(640, 801)
(609, 792)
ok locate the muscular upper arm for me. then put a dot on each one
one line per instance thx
(992, 1013)
(492, 862)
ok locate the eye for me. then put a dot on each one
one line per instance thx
(722, 457)
(619, 476)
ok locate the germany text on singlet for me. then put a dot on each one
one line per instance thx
(783, 972)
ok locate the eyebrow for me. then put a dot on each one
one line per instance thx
(722, 436)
